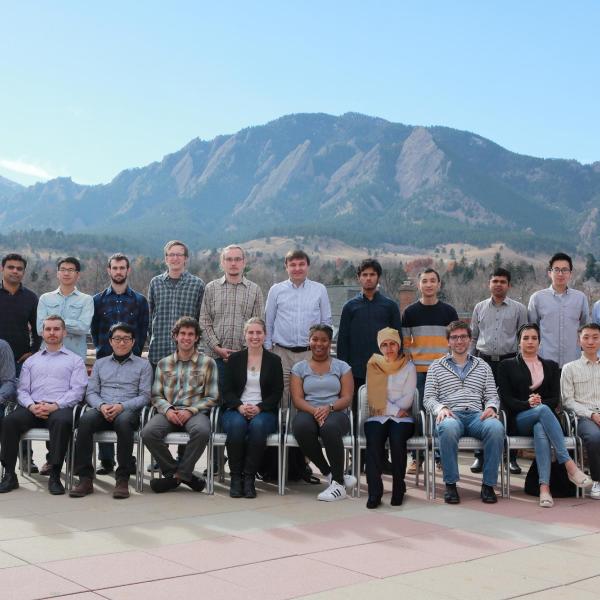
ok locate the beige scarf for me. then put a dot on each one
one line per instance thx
(378, 371)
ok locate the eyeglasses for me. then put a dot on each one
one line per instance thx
(63, 270)
(563, 271)
(233, 259)
(175, 255)
(458, 338)
(121, 339)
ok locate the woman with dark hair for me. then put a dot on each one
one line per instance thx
(529, 388)
(391, 384)
(321, 388)
(252, 389)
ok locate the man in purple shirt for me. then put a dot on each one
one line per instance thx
(52, 382)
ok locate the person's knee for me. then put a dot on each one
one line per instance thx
(449, 429)
(493, 429)
(543, 410)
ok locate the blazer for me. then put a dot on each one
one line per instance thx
(514, 381)
(271, 380)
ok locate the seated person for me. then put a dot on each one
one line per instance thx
(252, 389)
(8, 382)
(461, 393)
(391, 384)
(529, 388)
(321, 388)
(52, 382)
(118, 389)
(580, 387)
(184, 390)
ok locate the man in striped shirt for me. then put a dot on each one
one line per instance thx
(460, 391)
(185, 388)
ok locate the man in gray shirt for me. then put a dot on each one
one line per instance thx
(118, 388)
(559, 311)
(495, 323)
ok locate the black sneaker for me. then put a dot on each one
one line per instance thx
(55, 485)
(195, 483)
(9, 482)
(488, 495)
(164, 484)
(451, 494)
(107, 467)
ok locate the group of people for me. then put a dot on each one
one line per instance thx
(259, 354)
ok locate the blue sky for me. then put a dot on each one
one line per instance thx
(89, 89)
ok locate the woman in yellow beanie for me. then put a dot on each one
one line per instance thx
(391, 384)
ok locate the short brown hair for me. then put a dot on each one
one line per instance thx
(458, 325)
(187, 322)
(297, 255)
(172, 243)
(118, 256)
(54, 318)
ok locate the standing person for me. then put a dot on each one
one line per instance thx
(460, 392)
(118, 303)
(494, 324)
(580, 388)
(424, 325)
(174, 294)
(391, 385)
(362, 318)
(559, 311)
(227, 304)
(252, 389)
(293, 306)
(185, 388)
(18, 307)
(52, 382)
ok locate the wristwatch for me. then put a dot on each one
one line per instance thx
(331, 407)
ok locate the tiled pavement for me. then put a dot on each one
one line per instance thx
(187, 545)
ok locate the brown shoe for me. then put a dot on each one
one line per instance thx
(121, 490)
(45, 469)
(83, 488)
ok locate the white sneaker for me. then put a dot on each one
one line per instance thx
(595, 491)
(349, 481)
(334, 492)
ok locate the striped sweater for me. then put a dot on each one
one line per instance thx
(444, 388)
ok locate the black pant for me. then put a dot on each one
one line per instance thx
(307, 433)
(59, 423)
(124, 424)
(377, 434)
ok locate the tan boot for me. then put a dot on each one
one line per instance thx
(83, 488)
(121, 490)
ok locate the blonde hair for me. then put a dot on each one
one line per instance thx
(255, 321)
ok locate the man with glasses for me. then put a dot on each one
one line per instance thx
(118, 389)
(461, 393)
(118, 303)
(228, 302)
(559, 311)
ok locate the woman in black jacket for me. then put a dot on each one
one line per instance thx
(529, 388)
(252, 389)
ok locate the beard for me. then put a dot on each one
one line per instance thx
(118, 279)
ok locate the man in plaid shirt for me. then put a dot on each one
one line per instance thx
(185, 388)
(174, 294)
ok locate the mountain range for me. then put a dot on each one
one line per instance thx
(360, 179)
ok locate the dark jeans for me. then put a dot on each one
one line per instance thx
(59, 423)
(377, 434)
(590, 434)
(247, 439)
(307, 433)
(125, 425)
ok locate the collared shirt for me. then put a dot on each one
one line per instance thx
(113, 382)
(559, 316)
(8, 382)
(109, 308)
(190, 384)
(58, 377)
(291, 310)
(596, 312)
(77, 310)
(168, 300)
(580, 386)
(17, 320)
(225, 308)
(460, 370)
(360, 322)
(495, 326)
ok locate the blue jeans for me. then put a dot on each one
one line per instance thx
(547, 433)
(468, 423)
(247, 439)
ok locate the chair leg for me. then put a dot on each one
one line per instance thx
(279, 469)
(432, 470)
(283, 469)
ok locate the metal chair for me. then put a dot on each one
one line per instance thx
(110, 437)
(289, 441)
(419, 443)
(466, 443)
(218, 440)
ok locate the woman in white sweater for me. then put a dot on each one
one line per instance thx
(391, 383)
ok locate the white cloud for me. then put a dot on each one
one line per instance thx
(18, 166)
